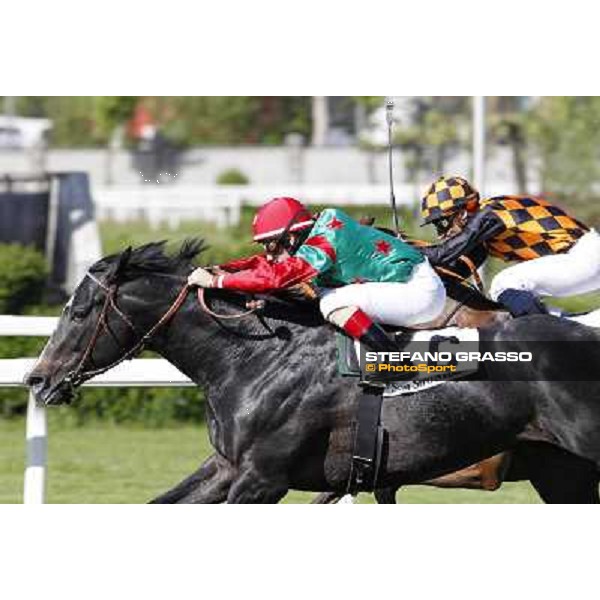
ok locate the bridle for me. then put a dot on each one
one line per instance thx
(78, 375)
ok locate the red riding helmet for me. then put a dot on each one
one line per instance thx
(280, 215)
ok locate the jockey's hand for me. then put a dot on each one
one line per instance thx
(255, 304)
(201, 277)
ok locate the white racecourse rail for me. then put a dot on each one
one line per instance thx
(141, 372)
(221, 204)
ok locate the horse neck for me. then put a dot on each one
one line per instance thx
(209, 350)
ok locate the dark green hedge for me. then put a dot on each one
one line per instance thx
(232, 177)
(23, 272)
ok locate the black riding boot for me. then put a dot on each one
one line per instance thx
(378, 340)
(521, 303)
(375, 338)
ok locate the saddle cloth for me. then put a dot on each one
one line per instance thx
(449, 338)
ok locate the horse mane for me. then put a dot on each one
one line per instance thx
(150, 258)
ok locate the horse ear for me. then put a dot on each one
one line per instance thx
(122, 261)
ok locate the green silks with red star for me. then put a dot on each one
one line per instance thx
(343, 251)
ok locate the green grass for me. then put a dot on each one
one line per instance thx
(104, 463)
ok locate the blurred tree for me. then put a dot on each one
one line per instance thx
(565, 133)
(112, 112)
(32, 106)
(440, 133)
(231, 120)
(72, 116)
(185, 120)
(511, 130)
(296, 115)
(433, 130)
(508, 125)
(370, 103)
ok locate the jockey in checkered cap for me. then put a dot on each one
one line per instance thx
(557, 255)
(362, 276)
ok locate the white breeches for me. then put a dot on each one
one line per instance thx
(575, 272)
(418, 300)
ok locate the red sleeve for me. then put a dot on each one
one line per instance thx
(267, 276)
(240, 264)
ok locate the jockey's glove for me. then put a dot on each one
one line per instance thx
(202, 278)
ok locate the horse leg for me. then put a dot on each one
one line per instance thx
(486, 475)
(386, 495)
(252, 488)
(326, 498)
(560, 477)
(208, 485)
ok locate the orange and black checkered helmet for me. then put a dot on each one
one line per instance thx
(446, 196)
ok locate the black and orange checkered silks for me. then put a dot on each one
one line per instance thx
(534, 228)
(445, 196)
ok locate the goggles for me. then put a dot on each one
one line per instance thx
(442, 225)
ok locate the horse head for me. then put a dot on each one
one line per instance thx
(108, 316)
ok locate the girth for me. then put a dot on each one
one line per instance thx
(368, 441)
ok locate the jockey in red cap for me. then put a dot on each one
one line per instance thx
(363, 276)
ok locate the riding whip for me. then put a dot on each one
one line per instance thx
(389, 116)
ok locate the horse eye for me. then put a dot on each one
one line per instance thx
(79, 313)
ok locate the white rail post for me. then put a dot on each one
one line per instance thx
(34, 490)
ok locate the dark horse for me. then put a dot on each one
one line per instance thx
(280, 416)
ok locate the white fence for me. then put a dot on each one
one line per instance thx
(135, 373)
(165, 204)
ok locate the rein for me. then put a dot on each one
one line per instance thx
(472, 289)
(78, 375)
(207, 310)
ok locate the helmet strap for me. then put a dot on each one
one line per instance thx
(282, 242)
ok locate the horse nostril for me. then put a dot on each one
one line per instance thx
(35, 381)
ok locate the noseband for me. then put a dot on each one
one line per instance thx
(78, 375)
